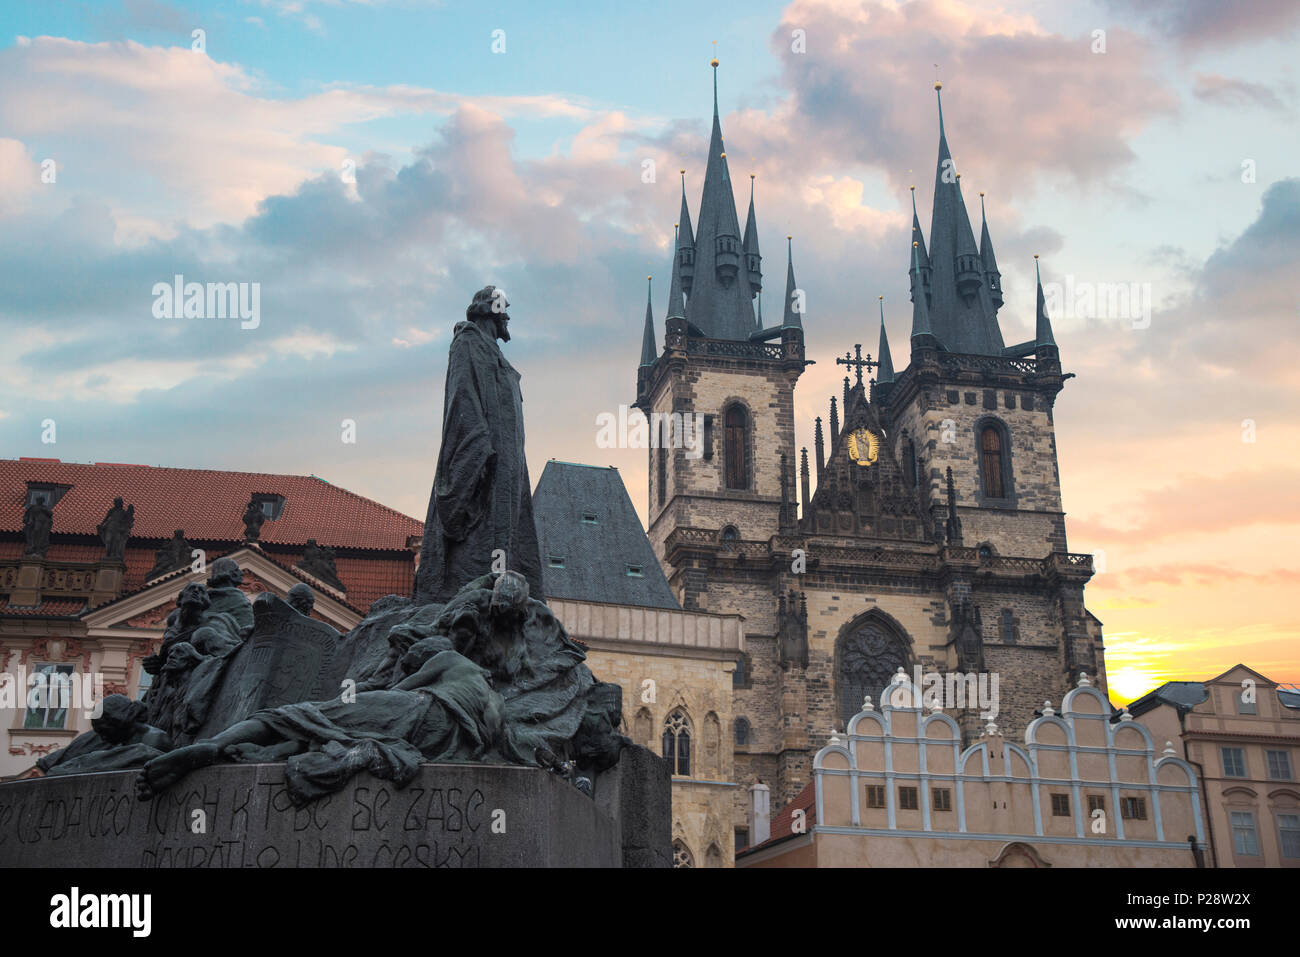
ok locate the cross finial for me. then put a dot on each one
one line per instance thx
(858, 362)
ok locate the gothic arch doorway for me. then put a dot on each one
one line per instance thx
(868, 653)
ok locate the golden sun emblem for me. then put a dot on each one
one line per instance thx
(864, 446)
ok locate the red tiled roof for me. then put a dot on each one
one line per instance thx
(783, 823)
(207, 504)
(51, 608)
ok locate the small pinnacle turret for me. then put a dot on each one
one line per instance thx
(791, 317)
(648, 351)
(1043, 325)
(885, 370)
(990, 262)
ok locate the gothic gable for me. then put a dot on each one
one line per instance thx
(864, 500)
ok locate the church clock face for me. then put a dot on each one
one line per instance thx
(864, 446)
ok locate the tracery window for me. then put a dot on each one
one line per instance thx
(682, 855)
(677, 742)
(868, 657)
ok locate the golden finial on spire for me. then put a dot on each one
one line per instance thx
(714, 62)
(789, 236)
(882, 298)
(724, 154)
(752, 175)
(913, 244)
(1035, 255)
(981, 194)
(912, 188)
(959, 175)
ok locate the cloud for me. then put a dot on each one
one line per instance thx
(1021, 104)
(1194, 505)
(1200, 23)
(177, 137)
(1224, 91)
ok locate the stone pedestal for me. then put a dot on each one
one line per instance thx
(450, 815)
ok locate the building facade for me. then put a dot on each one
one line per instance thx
(675, 667)
(926, 530)
(86, 584)
(899, 790)
(1241, 732)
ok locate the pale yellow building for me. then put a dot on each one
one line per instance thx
(1241, 732)
(898, 790)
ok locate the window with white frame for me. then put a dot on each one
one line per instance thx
(1244, 838)
(1234, 762)
(51, 691)
(1288, 832)
(1279, 765)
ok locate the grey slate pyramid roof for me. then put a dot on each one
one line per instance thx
(961, 325)
(586, 521)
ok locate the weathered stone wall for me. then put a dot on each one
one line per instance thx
(450, 815)
(944, 424)
(700, 685)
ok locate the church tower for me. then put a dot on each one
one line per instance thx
(924, 532)
(720, 368)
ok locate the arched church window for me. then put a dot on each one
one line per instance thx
(868, 658)
(730, 534)
(682, 855)
(742, 732)
(736, 443)
(992, 462)
(677, 742)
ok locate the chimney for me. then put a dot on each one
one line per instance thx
(760, 813)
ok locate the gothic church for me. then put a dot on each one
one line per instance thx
(927, 529)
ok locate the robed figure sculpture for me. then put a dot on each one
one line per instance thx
(481, 507)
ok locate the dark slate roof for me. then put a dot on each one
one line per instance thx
(961, 326)
(595, 555)
(1186, 694)
(1289, 699)
(720, 311)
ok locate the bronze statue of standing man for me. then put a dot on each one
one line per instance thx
(481, 509)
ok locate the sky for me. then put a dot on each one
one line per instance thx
(370, 164)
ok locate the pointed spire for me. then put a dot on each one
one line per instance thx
(885, 372)
(819, 444)
(753, 259)
(750, 242)
(648, 352)
(835, 423)
(685, 237)
(1043, 327)
(991, 274)
(792, 316)
(961, 310)
(720, 301)
(676, 303)
(917, 235)
(920, 311)
(803, 480)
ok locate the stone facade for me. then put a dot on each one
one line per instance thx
(673, 662)
(878, 547)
